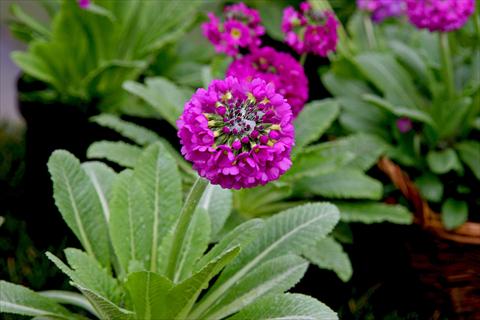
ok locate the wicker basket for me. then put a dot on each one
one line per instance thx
(448, 262)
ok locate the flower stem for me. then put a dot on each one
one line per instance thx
(447, 67)
(181, 227)
(303, 58)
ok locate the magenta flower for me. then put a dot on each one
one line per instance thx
(240, 29)
(84, 4)
(382, 9)
(310, 31)
(439, 15)
(404, 124)
(238, 134)
(278, 68)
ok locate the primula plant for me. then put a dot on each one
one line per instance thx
(149, 253)
(403, 85)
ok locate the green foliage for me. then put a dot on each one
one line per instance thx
(454, 213)
(113, 42)
(141, 211)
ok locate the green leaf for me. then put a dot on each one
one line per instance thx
(102, 177)
(319, 159)
(218, 203)
(68, 297)
(315, 118)
(167, 99)
(92, 275)
(342, 184)
(410, 58)
(149, 292)
(287, 232)
(441, 162)
(183, 296)
(76, 198)
(271, 14)
(273, 276)
(372, 212)
(157, 172)
(106, 309)
(250, 202)
(469, 152)
(430, 187)
(454, 213)
(390, 78)
(240, 236)
(23, 301)
(328, 254)
(399, 110)
(129, 222)
(130, 130)
(286, 306)
(38, 28)
(118, 152)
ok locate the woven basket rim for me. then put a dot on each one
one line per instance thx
(468, 233)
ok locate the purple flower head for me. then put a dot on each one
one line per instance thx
(84, 4)
(382, 9)
(238, 134)
(310, 30)
(439, 15)
(240, 29)
(404, 124)
(275, 67)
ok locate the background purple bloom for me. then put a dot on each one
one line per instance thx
(439, 15)
(84, 4)
(310, 31)
(404, 124)
(382, 9)
(240, 29)
(238, 134)
(279, 68)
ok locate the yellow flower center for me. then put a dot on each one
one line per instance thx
(236, 33)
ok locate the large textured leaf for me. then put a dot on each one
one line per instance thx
(329, 254)
(105, 308)
(76, 198)
(167, 99)
(287, 306)
(131, 222)
(218, 203)
(367, 148)
(372, 212)
(443, 161)
(102, 177)
(390, 78)
(273, 276)
(149, 293)
(345, 183)
(251, 202)
(92, 275)
(23, 301)
(313, 120)
(183, 296)
(130, 130)
(158, 174)
(287, 232)
(118, 152)
(240, 236)
(469, 152)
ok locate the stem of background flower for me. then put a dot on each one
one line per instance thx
(370, 31)
(476, 22)
(181, 228)
(303, 58)
(447, 67)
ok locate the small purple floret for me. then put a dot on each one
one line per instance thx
(382, 9)
(84, 4)
(404, 124)
(275, 67)
(248, 155)
(240, 29)
(310, 30)
(439, 15)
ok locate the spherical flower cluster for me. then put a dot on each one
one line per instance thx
(238, 134)
(382, 9)
(240, 29)
(278, 68)
(439, 15)
(310, 31)
(84, 4)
